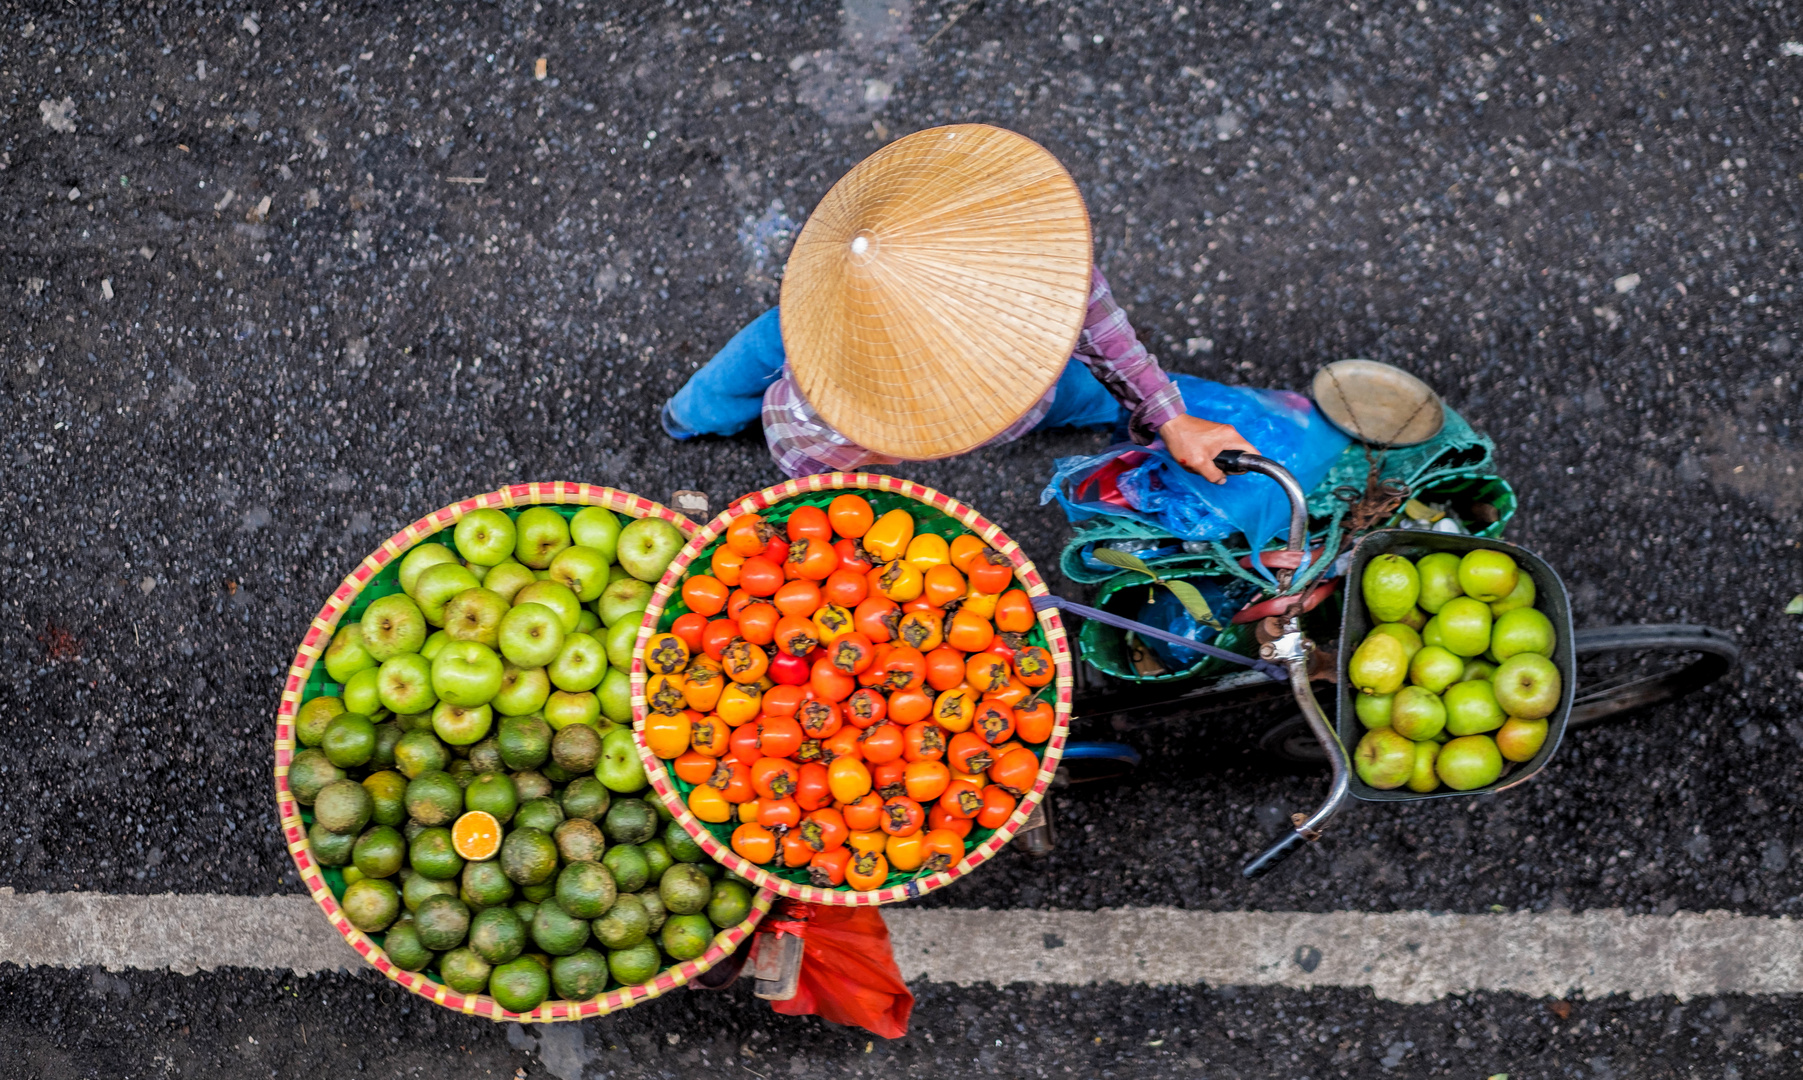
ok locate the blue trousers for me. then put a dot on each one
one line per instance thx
(727, 395)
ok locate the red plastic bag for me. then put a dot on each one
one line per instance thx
(848, 972)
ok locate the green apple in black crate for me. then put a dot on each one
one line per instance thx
(1471, 692)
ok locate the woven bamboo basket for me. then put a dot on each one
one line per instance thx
(375, 577)
(933, 512)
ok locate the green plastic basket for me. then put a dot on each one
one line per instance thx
(934, 513)
(375, 577)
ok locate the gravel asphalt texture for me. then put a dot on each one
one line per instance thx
(257, 316)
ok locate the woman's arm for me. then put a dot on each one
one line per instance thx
(1113, 353)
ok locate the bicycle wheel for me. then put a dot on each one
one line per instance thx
(1620, 669)
(1625, 668)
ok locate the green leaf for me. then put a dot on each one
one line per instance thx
(1124, 561)
(1191, 599)
(1795, 607)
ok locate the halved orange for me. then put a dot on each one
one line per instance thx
(476, 835)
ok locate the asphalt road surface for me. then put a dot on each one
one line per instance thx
(278, 281)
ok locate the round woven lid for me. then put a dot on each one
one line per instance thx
(937, 291)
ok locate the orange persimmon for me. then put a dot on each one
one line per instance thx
(867, 871)
(847, 588)
(705, 595)
(865, 708)
(1015, 770)
(810, 522)
(969, 632)
(725, 563)
(876, 618)
(754, 843)
(848, 779)
(864, 813)
(944, 849)
(819, 719)
(827, 868)
(926, 780)
(1034, 723)
(1014, 612)
(850, 515)
(942, 585)
(749, 534)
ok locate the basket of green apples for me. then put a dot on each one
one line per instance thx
(455, 771)
(1458, 668)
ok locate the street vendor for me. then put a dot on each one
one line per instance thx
(933, 304)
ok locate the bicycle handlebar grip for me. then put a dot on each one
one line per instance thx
(1280, 851)
(1228, 461)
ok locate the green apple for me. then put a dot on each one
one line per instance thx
(1435, 668)
(556, 596)
(588, 622)
(1465, 626)
(405, 684)
(620, 639)
(1379, 665)
(346, 656)
(1414, 620)
(363, 692)
(582, 569)
(1522, 596)
(1471, 709)
(476, 569)
(647, 547)
(1519, 740)
(485, 537)
(1431, 633)
(623, 601)
(417, 559)
(1390, 586)
(620, 769)
(531, 635)
(1477, 669)
(435, 644)
(1439, 580)
(438, 585)
(616, 695)
(1373, 709)
(475, 615)
(1487, 576)
(1468, 762)
(1522, 630)
(581, 665)
(392, 625)
(523, 691)
(1411, 641)
(1418, 714)
(1423, 779)
(461, 726)
(542, 533)
(466, 673)
(507, 579)
(564, 708)
(1527, 685)
(1383, 759)
(596, 527)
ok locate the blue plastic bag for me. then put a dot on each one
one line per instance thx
(1157, 491)
(1165, 612)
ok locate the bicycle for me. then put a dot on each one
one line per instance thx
(1620, 670)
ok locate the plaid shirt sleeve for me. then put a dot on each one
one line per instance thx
(1113, 352)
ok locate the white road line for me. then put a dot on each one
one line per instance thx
(1406, 956)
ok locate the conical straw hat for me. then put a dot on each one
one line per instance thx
(936, 292)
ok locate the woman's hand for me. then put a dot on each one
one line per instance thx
(1194, 442)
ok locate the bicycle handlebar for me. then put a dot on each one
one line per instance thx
(1292, 649)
